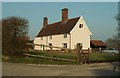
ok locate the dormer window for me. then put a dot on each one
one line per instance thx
(81, 26)
(65, 35)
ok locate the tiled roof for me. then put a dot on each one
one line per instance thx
(97, 43)
(58, 27)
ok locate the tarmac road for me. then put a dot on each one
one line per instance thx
(98, 69)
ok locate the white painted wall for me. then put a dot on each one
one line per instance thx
(57, 40)
(80, 35)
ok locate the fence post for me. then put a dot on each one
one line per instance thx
(43, 47)
(51, 53)
(79, 49)
(89, 51)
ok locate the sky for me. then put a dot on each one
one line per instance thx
(60, 0)
(99, 16)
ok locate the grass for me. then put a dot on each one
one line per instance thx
(32, 60)
(72, 55)
(104, 57)
(94, 57)
(66, 55)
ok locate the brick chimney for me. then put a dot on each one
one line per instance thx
(45, 21)
(64, 14)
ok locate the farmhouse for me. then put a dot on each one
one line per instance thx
(65, 33)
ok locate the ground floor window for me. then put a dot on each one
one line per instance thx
(50, 44)
(40, 45)
(64, 45)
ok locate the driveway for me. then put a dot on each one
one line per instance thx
(98, 69)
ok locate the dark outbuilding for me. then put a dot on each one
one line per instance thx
(97, 45)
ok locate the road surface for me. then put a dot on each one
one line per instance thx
(98, 69)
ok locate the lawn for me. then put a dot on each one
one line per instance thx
(94, 57)
(97, 57)
(72, 55)
(33, 60)
(66, 55)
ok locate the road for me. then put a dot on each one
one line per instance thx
(98, 69)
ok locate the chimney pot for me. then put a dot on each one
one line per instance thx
(64, 14)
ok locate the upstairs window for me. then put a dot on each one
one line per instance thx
(81, 26)
(50, 37)
(65, 35)
(41, 38)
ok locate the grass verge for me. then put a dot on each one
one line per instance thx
(33, 60)
(94, 57)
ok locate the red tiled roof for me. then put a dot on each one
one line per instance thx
(97, 43)
(58, 27)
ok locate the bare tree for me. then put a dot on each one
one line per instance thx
(14, 32)
(118, 29)
(0, 36)
(114, 42)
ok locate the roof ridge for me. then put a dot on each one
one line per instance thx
(53, 23)
(74, 18)
(61, 21)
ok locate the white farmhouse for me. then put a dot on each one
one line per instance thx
(65, 33)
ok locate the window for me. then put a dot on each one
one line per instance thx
(65, 35)
(64, 45)
(50, 44)
(40, 45)
(81, 26)
(41, 38)
(50, 37)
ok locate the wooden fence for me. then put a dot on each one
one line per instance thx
(82, 55)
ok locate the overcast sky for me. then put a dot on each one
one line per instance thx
(99, 16)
